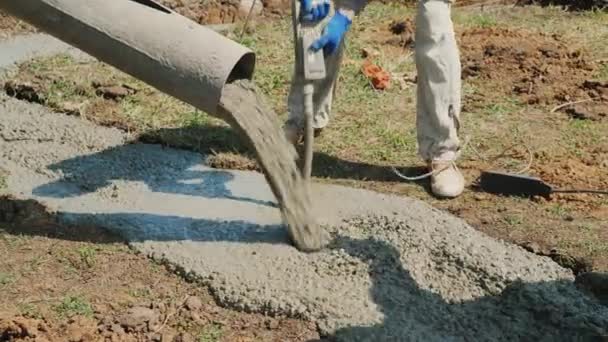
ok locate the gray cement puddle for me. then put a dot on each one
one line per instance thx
(396, 270)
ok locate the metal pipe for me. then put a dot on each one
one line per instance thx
(145, 40)
(309, 136)
(310, 67)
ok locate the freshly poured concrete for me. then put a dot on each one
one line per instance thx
(397, 269)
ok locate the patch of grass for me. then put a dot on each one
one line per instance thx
(513, 220)
(87, 255)
(46, 65)
(140, 292)
(248, 41)
(6, 279)
(603, 72)
(481, 20)
(34, 264)
(503, 107)
(14, 241)
(29, 310)
(73, 306)
(210, 333)
(558, 211)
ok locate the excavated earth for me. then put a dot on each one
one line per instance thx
(396, 269)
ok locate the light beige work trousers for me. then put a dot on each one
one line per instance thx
(438, 84)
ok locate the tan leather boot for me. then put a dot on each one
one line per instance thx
(446, 181)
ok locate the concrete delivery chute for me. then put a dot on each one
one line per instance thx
(193, 64)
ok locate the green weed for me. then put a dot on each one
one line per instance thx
(140, 293)
(87, 255)
(29, 310)
(73, 306)
(210, 333)
(513, 220)
(6, 279)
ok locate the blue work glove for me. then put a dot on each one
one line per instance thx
(333, 34)
(314, 10)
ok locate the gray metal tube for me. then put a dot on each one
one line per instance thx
(146, 40)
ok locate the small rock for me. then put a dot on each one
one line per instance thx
(277, 6)
(113, 92)
(24, 91)
(480, 197)
(193, 303)
(184, 337)
(245, 7)
(532, 247)
(137, 318)
(367, 52)
(272, 324)
(168, 336)
(80, 329)
(117, 328)
(196, 318)
(70, 108)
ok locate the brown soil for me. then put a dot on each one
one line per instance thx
(572, 5)
(537, 68)
(203, 12)
(402, 33)
(223, 11)
(106, 98)
(11, 26)
(540, 68)
(57, 288)
(232, 161)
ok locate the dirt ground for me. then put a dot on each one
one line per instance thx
(518, 67)
(9, 26)
(573, 5)
(57, 288)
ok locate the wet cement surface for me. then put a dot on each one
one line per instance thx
(396, 270)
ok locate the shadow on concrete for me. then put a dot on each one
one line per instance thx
(545, 311)
(28, 217)
(212, 139)
(140, 227)
(175, 172)
(179, 172)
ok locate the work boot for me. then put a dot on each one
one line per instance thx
(446, 180)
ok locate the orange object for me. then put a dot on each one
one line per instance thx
(379, 77)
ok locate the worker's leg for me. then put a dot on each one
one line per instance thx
(323, 97)
(438, 95)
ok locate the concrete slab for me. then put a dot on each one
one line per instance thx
(397, 268)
